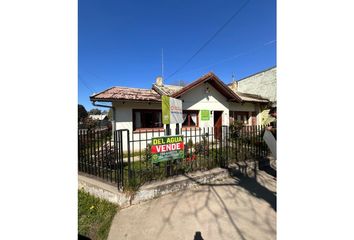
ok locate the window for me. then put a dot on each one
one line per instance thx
(190, 119)
(147, 118)
(239, 116)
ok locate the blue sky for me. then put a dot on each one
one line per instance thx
(120, 42)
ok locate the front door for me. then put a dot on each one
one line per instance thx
(217, 124)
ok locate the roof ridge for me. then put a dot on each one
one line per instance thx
(129, 87)
(206, 77)
(250, 94)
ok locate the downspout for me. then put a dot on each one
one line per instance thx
(113, 114)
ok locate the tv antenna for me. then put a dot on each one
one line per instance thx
(162, 62)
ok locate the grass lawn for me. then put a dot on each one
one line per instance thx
(95, 216)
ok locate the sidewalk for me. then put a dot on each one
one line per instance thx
(237, 208)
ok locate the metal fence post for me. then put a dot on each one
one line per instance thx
(177, 128)
(119, 138)
(129, 165)
(116, 155)
(168, 164)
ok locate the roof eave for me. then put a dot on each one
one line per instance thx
(123, 100)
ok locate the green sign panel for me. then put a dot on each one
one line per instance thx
(167, 148)
(205, 115)
(166, 109)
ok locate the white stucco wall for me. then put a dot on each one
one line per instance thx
(124, 113)
(199, 99)
(124, 120)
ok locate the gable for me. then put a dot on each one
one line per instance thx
(204, 97)
(214, 81)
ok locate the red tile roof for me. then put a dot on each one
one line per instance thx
(154, 94)
(126, 93)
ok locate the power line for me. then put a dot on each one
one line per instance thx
(83, 82)
(210, 39)
(230, 58)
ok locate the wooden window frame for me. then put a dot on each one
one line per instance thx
(148, 129)
(249, 116)
(189, 119)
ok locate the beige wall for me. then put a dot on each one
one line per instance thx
(263, 84)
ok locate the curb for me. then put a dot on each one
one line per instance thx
(151, 190)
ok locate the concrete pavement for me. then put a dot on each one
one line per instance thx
(237, 208)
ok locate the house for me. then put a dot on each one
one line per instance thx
(139, 110)
(99, 117)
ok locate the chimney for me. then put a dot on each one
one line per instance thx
(234, 85)
(159, 81)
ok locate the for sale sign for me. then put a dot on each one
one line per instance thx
(167, 148)
(171, 110)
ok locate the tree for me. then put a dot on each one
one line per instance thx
(90, 123)
(110, 114)
(82, 113)
(266, 118)
(95, 111)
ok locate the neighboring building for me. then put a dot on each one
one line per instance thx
(263, 84)
(99, 117)
(101, 120)
(139, 110)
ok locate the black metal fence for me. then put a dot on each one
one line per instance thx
(125, 158)
(98, 155)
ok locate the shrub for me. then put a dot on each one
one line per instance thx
(235, 128)
(190, 143)
(201, 147)
(89, 123)
(147, 153)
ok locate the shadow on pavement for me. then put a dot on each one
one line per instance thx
(248, 183)
(270, 170)
(217, 202)
(254, 187)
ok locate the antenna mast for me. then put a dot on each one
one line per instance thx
(162, 62)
